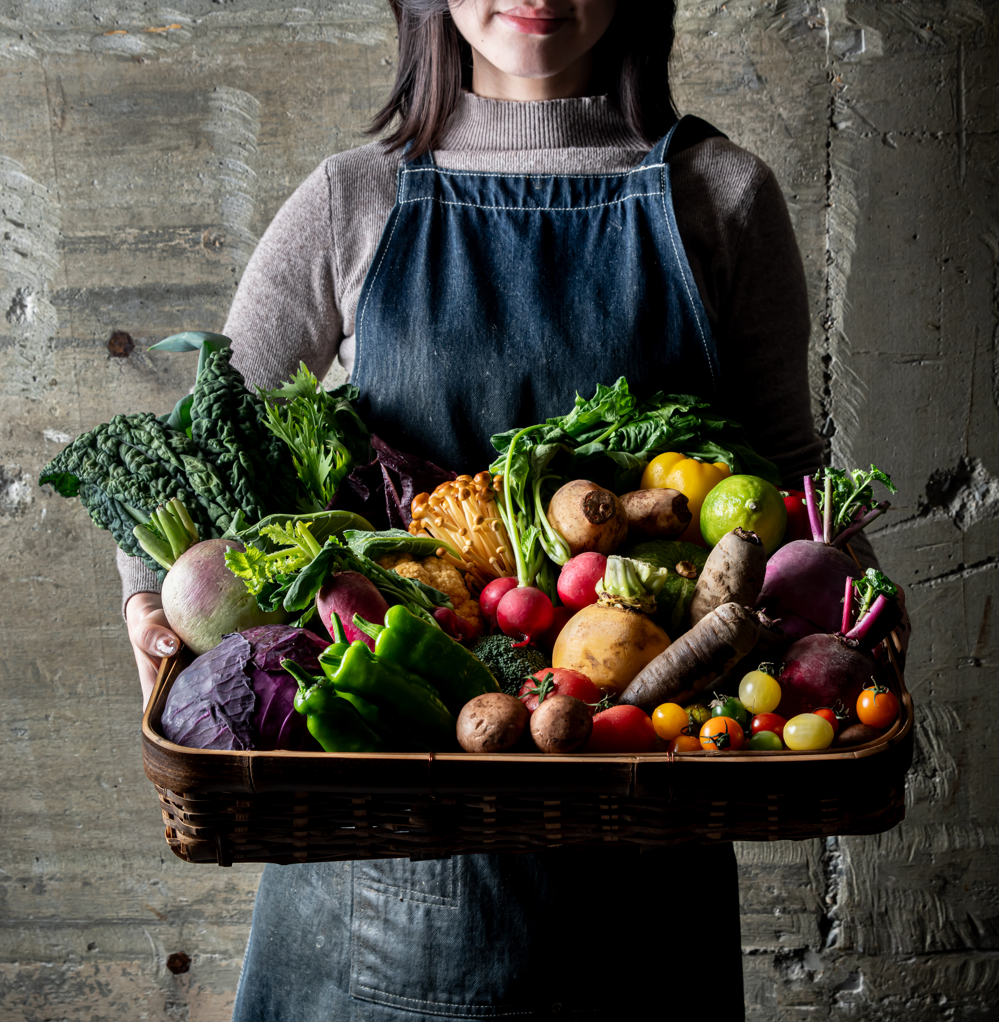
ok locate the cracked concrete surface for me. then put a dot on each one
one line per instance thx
(143, 150)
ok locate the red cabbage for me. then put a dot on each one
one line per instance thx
(237, 697)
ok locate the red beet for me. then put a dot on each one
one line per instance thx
(818, 671)
(348, 593)
(805, 579)
(577, 582)
(492, 594)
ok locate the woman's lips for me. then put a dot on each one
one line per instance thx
(532, 24)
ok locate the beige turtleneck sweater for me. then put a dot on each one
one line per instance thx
(298, 295)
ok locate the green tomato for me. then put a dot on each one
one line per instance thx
(766, 741)
(731, 707)
(808, 732)
(759, 692)
(697, 714)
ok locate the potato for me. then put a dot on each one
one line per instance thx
(656, 514)
(588, 517)
(561, 724)
(856, 734)
(492, 722)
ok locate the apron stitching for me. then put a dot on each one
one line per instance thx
(530, 209)
(682, 261)
(395, 998)
(367, 297)
(572, 177)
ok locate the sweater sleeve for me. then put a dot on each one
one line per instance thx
(286, 306)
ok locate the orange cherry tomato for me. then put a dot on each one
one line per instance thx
(721, 733)
(877, 706)
(684, 743)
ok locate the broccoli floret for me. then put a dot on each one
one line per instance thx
(510, 665)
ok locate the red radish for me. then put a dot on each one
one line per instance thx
(525, 612)
(622, 729)
(558, 681)
(348, 593)
(577, 582)
(492, 594)
(546, 640)
(455, 625)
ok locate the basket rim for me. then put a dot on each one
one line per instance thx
(170, 667)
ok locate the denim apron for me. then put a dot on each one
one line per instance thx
(490, 302)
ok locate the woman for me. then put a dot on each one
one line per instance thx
(536, 223)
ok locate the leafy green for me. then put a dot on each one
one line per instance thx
(322, 525)
(394, 541)
(609, 438)
(874, 584)
(850, 493)
(322, 430)
(189, 340)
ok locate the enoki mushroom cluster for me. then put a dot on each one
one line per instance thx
(464, 514)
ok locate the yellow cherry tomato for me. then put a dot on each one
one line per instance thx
(669, 720)
(808, 732)
(693, 478)
(759, 692)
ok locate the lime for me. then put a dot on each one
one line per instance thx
(746, 501)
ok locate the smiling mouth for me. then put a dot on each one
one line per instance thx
(532, 21)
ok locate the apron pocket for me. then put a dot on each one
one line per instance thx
(425, 938)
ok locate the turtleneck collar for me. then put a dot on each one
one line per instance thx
(497, 125)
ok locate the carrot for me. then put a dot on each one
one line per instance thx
(717, 642)
(733, 573)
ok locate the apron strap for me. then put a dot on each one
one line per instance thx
(686, 132)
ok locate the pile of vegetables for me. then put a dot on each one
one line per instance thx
(581, 593)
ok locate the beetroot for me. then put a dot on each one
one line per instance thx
(577, 582)
(347, 593)
(820, 670)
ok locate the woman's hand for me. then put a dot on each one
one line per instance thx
(150, 637)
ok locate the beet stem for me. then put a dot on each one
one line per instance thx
(847, 605)
(867, 622)
(827, 517)
(861, 523)
(814, 522)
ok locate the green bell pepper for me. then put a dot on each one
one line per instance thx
(332, 720)
(426, 650)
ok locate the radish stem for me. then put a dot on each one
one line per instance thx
(866, 623)
(814, 522)
(827, 517)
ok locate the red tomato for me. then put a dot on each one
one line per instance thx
(720, 733)
(564, 682)
(768, 722)
(622, 729)
(797, 516)
(830, 714)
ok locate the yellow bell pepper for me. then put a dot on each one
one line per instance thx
(692, 477)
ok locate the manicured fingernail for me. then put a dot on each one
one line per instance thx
(166, 646)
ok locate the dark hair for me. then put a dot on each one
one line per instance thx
(631, 65)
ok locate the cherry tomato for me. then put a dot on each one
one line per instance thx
(830, 714)
(561, 681)
(697, 714)
(722, 733)
(684, 743)
(669, 720)
(729, 706)
(877, 706)
(622, 729)
(760, 691)
(765, 741)
(808, 732)
(768, 722)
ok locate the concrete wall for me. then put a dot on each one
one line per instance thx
(143, 150)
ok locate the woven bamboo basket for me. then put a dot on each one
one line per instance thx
(284, 807)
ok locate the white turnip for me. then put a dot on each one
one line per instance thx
(203, 600)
